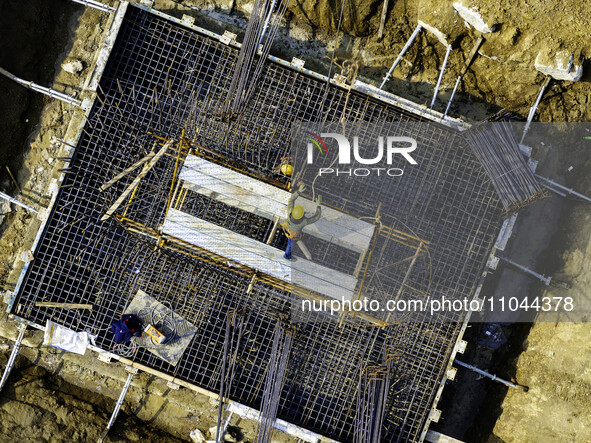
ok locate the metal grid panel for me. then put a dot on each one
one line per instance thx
(162, 78)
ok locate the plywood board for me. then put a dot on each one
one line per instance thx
(178, 331)
(257, 255)
(252, 195)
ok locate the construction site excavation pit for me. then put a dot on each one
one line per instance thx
(175, 172)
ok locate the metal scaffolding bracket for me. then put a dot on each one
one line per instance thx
(297, 63)
(131, 373)
(105, 357)
(96, 5)
(188, 20)
(173, 386)
(461, 346)
(42, 89)
(434, 415)
(17, 345)
(339, 79)
(228, 38)
(451, 373)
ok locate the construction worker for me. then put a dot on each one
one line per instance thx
(296, 221)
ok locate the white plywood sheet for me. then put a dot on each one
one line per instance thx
(257, 255)
(252, 195)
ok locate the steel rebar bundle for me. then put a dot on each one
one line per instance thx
(372, 398)
(495, 146)
(274, 380)
(260, 33)
(234, 330)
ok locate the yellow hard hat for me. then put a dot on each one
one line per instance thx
(298, 212)
(286, 169)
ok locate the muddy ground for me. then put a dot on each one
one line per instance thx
(40, 406)
(54, 397)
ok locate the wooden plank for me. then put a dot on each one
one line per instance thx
(127, 171)
(323, 228)
(281, 196)
(261, 263)
(229, 201)
(136, 181)
(471, 55)
(257, 255)
(221, 173)
(246, 243)
(247, 193)
(383, 19)
(235, 192)
(51, 304)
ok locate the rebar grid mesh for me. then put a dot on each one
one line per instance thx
(163, 79)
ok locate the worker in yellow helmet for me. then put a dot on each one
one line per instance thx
(296, 220)
(286, 169)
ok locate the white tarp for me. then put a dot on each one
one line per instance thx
(65, 339)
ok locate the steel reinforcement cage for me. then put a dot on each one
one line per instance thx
(166, 81)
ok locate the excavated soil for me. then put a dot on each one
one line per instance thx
(39, 406)
(56, 404)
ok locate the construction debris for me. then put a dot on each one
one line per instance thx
(73, 66)
(471, 14)
(560, 65)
